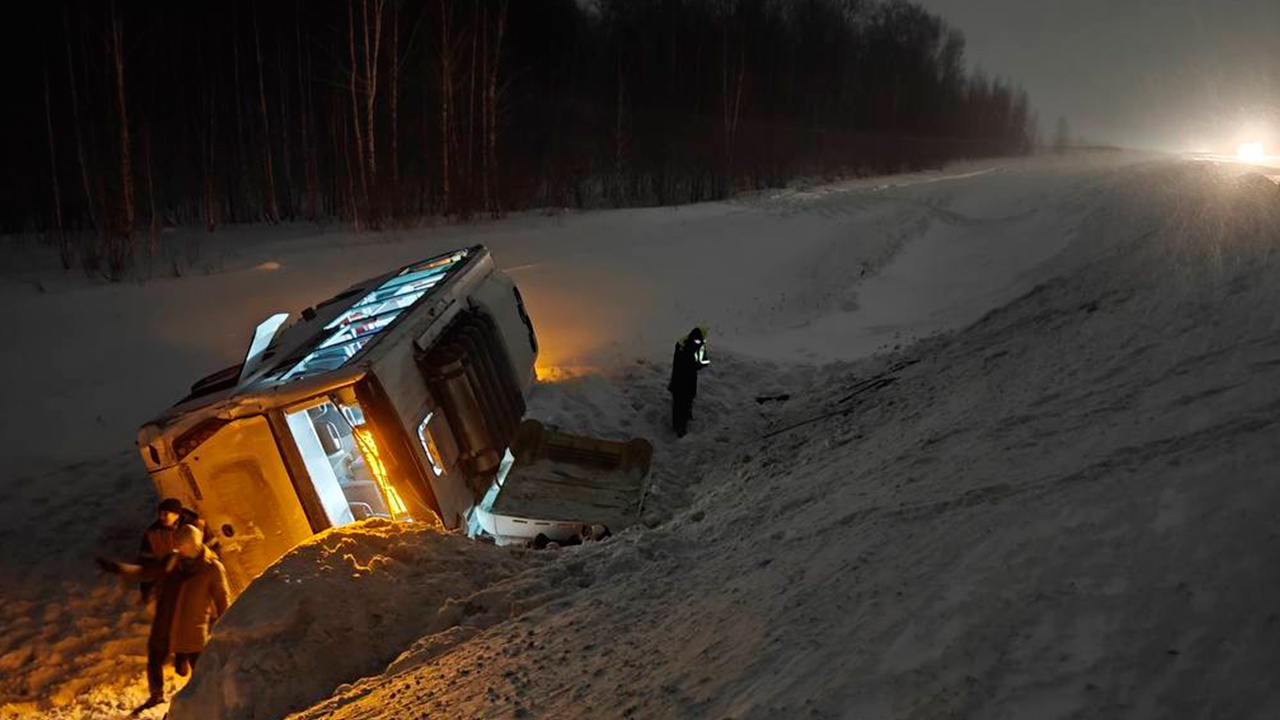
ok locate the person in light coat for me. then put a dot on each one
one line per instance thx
(191, 592)
(203, 595)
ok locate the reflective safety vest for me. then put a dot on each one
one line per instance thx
(701, 354)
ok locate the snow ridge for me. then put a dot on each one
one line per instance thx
(1064, 510)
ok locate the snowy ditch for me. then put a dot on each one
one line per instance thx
(1060, 511)
(1046, 513)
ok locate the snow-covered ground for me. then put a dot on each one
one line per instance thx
(1067, 508)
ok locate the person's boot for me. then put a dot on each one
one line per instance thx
(181, 666)
(154, 700)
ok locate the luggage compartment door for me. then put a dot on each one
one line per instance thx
(238, 483)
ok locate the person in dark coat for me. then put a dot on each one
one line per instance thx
(690, 357)
(165, 581)
(160, 539)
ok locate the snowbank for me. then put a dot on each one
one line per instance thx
(1067, 510)
(92, 361)
(340, 607)
(99, 360)
(1082, 473)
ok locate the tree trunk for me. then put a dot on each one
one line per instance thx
(241, 154)
(75, 118)
(355, 103)
(446, 100)
(154, 237)
(619, 134)
(353, 168)
(285, 159)
(208, 143)
(126, 148)
(210, 196)
(395, 103)
(53, 161)
(304, 90)
(470, 183)
(491, 150)
(273, 208)
(484, 108)
(731, 94)
(372, 51)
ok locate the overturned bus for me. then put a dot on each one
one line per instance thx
(400, 397)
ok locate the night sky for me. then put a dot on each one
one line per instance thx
(1165, 74)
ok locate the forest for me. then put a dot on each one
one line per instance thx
(136, 115)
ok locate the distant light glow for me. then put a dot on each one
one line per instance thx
(1250, 151)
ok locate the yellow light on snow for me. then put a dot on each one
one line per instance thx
(369, 448)
(1250, 151)
(562, 373)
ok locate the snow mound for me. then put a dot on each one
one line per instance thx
(335, 609)
(1066, 510)
(1141, 386)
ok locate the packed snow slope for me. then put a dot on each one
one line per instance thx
(604, 287)
(343, 606)
(1066, 509)
(1069, 509)
(90, 361)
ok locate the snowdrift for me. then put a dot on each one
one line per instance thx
(339, 607)
(97, 359)
(1067, 510)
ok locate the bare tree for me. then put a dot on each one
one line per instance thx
(395, 101)
(53, 161)
(205, 125)
(477, 28)
(126, 148)
(154, 235)
(59, 230)
(355, 103)
(75, 120)
(372, 52)
(285, 159)
(304, 116)
(208, 145)
(273, 208)
(731, 93)
(491, 107)
(242, 155)
(353, 168)
(446, 106)
(620, 129)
